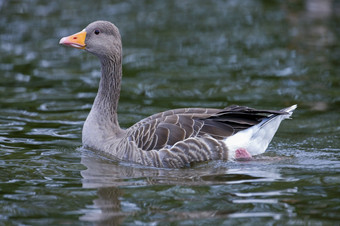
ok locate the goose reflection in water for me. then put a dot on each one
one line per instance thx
(110, 178)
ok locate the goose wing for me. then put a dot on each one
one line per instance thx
(169, 127)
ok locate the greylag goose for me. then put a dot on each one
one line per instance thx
(170, 139)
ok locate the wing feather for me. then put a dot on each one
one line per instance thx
(164, 130)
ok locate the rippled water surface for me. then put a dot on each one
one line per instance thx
(176, 54)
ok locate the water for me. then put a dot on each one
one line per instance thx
(176, 54)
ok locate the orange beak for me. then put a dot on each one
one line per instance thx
(77, 40)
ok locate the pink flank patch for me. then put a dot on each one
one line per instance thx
(242, 154)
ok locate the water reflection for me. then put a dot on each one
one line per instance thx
(109, 206)
(112, 182)
(102, 172)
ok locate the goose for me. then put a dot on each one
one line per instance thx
(174, 138)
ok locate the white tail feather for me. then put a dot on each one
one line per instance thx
(257, 138)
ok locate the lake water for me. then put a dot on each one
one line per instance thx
(176, 54)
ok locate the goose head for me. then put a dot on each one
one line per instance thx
(100, 38)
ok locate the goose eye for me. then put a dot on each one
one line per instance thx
(96, 32)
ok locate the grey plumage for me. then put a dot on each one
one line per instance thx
(174, 138)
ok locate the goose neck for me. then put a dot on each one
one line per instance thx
(106, 102)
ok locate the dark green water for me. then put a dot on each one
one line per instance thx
(176, 54)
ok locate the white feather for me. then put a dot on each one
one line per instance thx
(257, 138)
